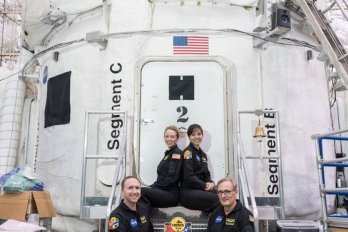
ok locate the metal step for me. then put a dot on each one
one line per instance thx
(194, 219)
(194, 227)
(94, 208)
(269, 212)
(298, 225)
(267, 226)
(93, 212)
(338, 221)
(266, 201)
(268, 207)
(198, 221)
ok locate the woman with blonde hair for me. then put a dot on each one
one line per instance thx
(165, 191)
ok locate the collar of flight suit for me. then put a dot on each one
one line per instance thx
(126, 208)
(194, 148)
(236, 208)
(171, 149)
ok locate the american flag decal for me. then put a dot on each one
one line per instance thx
(191, 45)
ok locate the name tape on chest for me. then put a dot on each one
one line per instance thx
(230, 221)
(143, 219)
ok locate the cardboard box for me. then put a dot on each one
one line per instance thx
(18, 205)
(337, 230)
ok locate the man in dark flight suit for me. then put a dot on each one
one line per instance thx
(130, 215)
(231, 216)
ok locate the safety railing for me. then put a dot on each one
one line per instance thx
(94, 207)
(329, 41)
(246, 188)
(270, 207)
(324, 191)
(245, 184)
(116, 193)
(340, 6)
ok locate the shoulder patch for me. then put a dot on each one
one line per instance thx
(188, 154)
(176, 156)
(114, 223)
(218, 219)
(251, 218)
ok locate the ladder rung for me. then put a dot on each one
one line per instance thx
(337, 191)
(344, 56)
(101, 157)
(338, 216)
(335, 164)
(262, 157)
(333, 138)
(334, 160)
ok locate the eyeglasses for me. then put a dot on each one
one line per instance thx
(227, 193)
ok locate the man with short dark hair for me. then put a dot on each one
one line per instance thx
(130, 215)
(231, 215)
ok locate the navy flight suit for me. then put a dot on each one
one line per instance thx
(165, 191)
(195, 176)
(123, 219)
(239, 220)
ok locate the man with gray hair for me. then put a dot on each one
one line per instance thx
(231, 215)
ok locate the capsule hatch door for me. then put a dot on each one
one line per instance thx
(181, 93)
